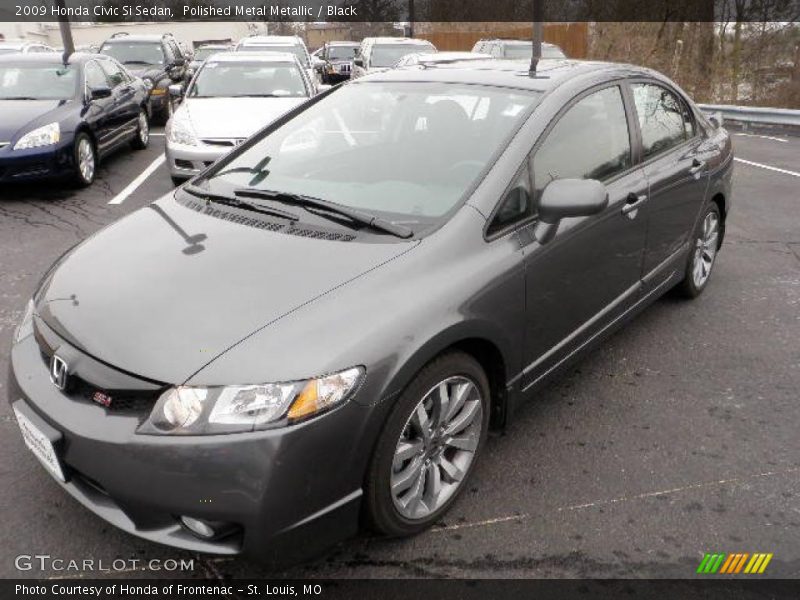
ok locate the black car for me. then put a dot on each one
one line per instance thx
(157, 59)
(318, 330)
(336, 59)
(60, 119)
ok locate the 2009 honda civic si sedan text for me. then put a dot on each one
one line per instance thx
(318, 330)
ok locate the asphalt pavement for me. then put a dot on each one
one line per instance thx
(679, 436)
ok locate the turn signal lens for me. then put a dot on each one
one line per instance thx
(321, 394)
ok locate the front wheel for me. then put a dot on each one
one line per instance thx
(142, 136)
(428, 446)
(705, 244)
(85, 158)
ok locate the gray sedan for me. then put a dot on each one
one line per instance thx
(320, 329)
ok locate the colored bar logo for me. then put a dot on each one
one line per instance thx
(732, 564)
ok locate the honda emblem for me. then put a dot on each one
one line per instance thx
(58, 372)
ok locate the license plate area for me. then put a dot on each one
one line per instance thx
(41, 444)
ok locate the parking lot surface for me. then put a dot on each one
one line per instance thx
(679, 436)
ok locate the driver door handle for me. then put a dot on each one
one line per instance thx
(632, 204)
(697, 168)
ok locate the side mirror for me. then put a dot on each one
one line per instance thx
(563, 198)
(716, 120)
(100, 92)
(359, 61)
(317, 63)
(176, 90)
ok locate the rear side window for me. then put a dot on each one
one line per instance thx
(664, 118)
(590, 141)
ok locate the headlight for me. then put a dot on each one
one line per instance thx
(188, 410)
(25, 327)
(41, 136)
(179, 130)
(148, 83)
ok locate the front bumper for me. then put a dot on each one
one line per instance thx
(291, 492)
(187, 161)
(37, 163)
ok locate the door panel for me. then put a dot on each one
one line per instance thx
(99, 112)
(590, 272)
(676, 167)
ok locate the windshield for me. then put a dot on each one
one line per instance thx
(387, 55)
(204, 53)
(296, 50)
(38, 82)
(526, 50)
(341, 52)
(228, 79)
(407, 149)
(135, 53)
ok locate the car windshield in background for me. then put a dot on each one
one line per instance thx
(204, 53)
(408, 149)
(296, 50)
(387, 55)
(135, 53)
(526, 50)
(37, 82)
(227, 79)
(341, 52)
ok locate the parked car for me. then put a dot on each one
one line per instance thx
(382, 53)
(23, 47)
(60, 120)
(279, 43)
(157, 59)
(515, 49)
(335, 61)
(232, 96)
(438, 58)
(323, 325)
(201, 53)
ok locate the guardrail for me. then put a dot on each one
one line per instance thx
(754, 114)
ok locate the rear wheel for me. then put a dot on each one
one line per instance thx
(428, 446)
(85, 158)
(705, 244)
(142, 137)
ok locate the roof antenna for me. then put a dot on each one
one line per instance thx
(66, 31)
(538, 7)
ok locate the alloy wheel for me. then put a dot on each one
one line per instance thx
(144, 128)
(705, 250)
(436, 448)
(86, 161)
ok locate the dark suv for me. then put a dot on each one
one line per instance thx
(157, 59)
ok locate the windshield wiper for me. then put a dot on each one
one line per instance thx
(236, 203)
(137, 62)
(18, 98)
(316, 205)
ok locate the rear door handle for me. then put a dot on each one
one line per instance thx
(697, 168)
(632, 204)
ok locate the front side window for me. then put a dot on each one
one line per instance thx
(241, 79)
(38, 81)
(663, 118)
(517, 204)
(411, 150)
(114, 72)
(590, 141)
(95, 76)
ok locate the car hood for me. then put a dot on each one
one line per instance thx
(234, 117)
(165, 290)
(18, 116)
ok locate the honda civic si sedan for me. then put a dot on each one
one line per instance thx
(318, 331)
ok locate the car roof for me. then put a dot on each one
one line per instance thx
(55, 58)
(137, 37)
(399, 40)
(551, 73)
(292, 40)
(451, 55)
(267, 57)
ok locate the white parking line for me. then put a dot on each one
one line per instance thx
(767, 167)
(133, 185)
(763, 137)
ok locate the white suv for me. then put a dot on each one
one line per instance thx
(382, 53)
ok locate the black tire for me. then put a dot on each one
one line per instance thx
(140, 141)
(691, 286)
(83, 177)
(381, 512)
(176, 181)
(166, 112)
